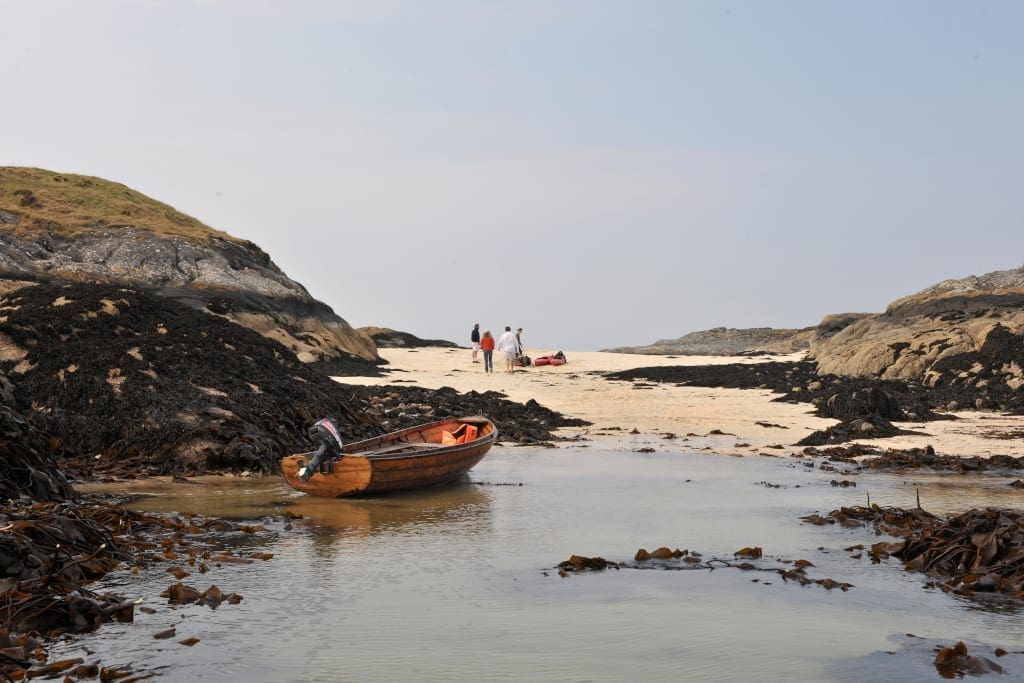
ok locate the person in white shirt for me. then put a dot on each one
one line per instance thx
(507, 344)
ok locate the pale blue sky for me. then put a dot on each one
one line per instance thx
(599, 173)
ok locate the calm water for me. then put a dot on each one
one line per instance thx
(456, 584)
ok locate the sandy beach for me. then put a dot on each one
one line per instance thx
(690, 414)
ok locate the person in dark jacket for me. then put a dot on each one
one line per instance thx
(474, 337)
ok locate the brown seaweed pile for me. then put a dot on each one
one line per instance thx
(920, 458)
(954, 661)
(839, 453)
(51, 551)
(397, 408)
(665, 558)
(978, 551)
(906, 459)
(48, 552)
(27, 465)
(888, 520)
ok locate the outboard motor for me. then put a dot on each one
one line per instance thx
(328, 439)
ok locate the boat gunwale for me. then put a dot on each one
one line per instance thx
(426, 452)
(392, 438)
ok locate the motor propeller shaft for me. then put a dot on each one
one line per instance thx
(325, 433)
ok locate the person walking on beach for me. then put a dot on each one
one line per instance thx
(519, 343)
(474, 337)
(487, 344)
(507, 344)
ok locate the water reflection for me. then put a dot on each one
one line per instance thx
(459, 503)
(951, 493)
(234, 498)
(461, 506)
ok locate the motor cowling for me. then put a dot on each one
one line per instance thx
(327, 437)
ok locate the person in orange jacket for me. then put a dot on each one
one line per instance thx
(487, 346)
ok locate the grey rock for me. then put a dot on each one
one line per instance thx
(234, 279)
(915, 333)
(722, 341)
(387, 338)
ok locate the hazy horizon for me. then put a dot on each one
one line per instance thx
(601, 174)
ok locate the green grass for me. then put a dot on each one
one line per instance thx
(69, 205)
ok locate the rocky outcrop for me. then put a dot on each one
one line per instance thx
(722, 341)
(958, 331)
(125, 237)
(386, 338)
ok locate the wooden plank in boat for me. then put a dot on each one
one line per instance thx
(399, 447)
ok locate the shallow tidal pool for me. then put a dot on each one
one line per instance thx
(459, 583)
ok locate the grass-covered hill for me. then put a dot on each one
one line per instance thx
(57, 227)
(68, 205)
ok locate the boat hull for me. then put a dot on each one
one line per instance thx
(407, 459)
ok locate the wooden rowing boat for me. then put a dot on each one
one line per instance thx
(420, 456)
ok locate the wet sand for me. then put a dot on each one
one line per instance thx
(653, 410)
